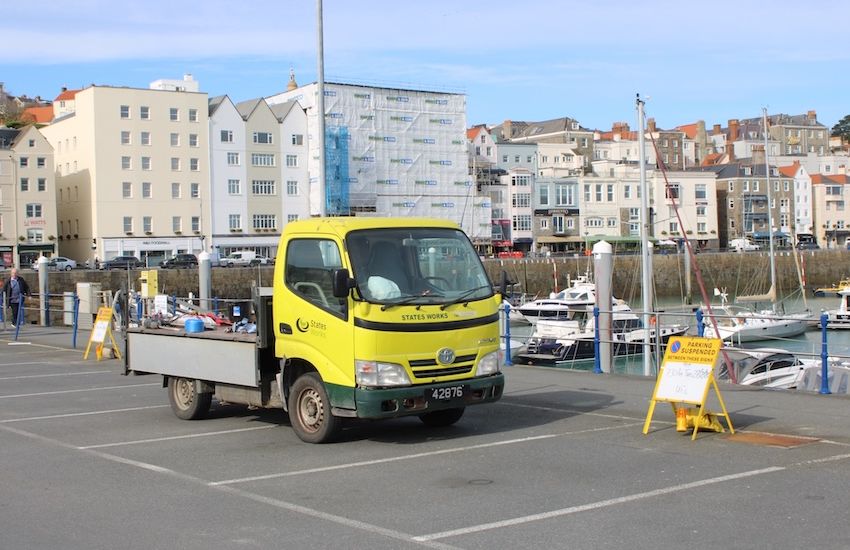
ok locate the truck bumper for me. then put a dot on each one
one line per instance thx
(395, 402)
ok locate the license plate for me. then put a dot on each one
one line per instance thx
(446, 393)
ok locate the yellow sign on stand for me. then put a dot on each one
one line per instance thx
(687, 372)
(101, 329)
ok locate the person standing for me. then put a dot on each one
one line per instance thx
(16, 290)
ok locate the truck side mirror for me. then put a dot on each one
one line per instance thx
(342, 283)
(503, 284)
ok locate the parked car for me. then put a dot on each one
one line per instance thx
(240, 258)
(807, 245)
(743, 245)
(261, 260)
(180, 260)
(122, 262)
(59, 263)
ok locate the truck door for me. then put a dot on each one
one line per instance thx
(312, 324)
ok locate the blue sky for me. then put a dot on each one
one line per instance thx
(531, 60)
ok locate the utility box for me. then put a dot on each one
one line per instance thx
(90, 300)
(68, 308)
(150, 283)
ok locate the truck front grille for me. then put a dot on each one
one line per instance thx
(429, 368)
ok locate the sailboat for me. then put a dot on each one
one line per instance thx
(737, 324)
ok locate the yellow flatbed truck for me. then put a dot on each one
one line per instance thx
(367, 318)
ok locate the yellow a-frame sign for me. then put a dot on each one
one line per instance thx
(102, 328)
(686, 374)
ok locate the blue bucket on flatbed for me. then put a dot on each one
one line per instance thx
(194, 325)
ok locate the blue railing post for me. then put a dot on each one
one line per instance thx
(21, 317)
(47, 310)
(139, 308)
(174, 304)
(700, 325)
(824, 376)
(76, 320)
(508, 362)
(597, 361)
(215, 305)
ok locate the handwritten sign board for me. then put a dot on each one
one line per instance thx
(102, 328)
(686, 375)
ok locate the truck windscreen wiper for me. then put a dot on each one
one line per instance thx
(465, 296)
(403, 300)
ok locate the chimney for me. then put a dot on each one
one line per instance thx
(758, 155)
(812, 115)
(64, 88)
(507, 129)
(716, 130)
(733, 130)
(650, 124)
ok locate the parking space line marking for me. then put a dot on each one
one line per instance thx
(283, 505)
(16, 364)
(413, 456)
(597, 505)
(23, 377)
(173, 437)
(78, 391)
(573, 411)
(71, 415)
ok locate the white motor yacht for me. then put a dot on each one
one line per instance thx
(840, 318)
(561, 306)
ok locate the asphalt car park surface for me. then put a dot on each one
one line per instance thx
(94, 459)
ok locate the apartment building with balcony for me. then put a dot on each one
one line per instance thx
(830, 195)
(133, 172)
(557, 221)
(28, 222)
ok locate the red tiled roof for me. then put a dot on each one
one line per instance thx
(790, 171)
(839, 179)
(689, 130)
(711, 159)
(67, 94)
(38, 115)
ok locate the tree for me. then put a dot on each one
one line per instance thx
(842, 129)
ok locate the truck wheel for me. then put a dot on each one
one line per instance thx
(186, 402)
(446, 417)
(310, 410)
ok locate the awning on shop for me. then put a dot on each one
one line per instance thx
(35, 247)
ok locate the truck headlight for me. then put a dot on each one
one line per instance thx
(373, 373)
(490, 363)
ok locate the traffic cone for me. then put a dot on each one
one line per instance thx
(681, 419)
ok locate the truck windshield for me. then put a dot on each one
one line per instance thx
(419, 266)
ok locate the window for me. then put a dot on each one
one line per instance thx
(309, 267)
(674, 227)
(297, 139)
(264, 138)
(128, 224)
(264, 159)
(173, 114)
(233, 159)
(42, 184)
(125, 137)
(24, 162)
(557, 224)
(701, 211)
(593, 222)
(731, 186)
(33, 210)
(193, 140)
(520, 180)
(609, 195)
(35, 235)
(226, 136)
(175, 190)
(175, 164)
(175, 140)
(598, 193)
(25, 184)
(263, 187)
(755, 186)
(587, 193)
(127, 190)
(176, 223)
(196, 224)
(731, 204)
(504, 158)
(125, 111)
(144, 113)
(543, 196)
(699, 191)
(672, 191)
(265, 221)
(193, 115)
(702, 227)
(40, 162)
(544, 223)
(292, 161)
(522, 200)
(195, 190)
(126, 164)
(234, 187)
(194, 164)
(146, 163)
(634, 213)
(291, 218)
(522, 222)
(147, 224)
(234, 221)
(146, 190)
(292, 188)
(627, 191)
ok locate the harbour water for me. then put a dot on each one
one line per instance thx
(807, 345)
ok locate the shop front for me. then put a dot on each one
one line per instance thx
(29, 253)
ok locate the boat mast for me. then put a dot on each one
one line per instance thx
(646, 291)
(320, 110)
(769, 214)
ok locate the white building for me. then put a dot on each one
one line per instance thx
(391, 152)
(132, 172)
